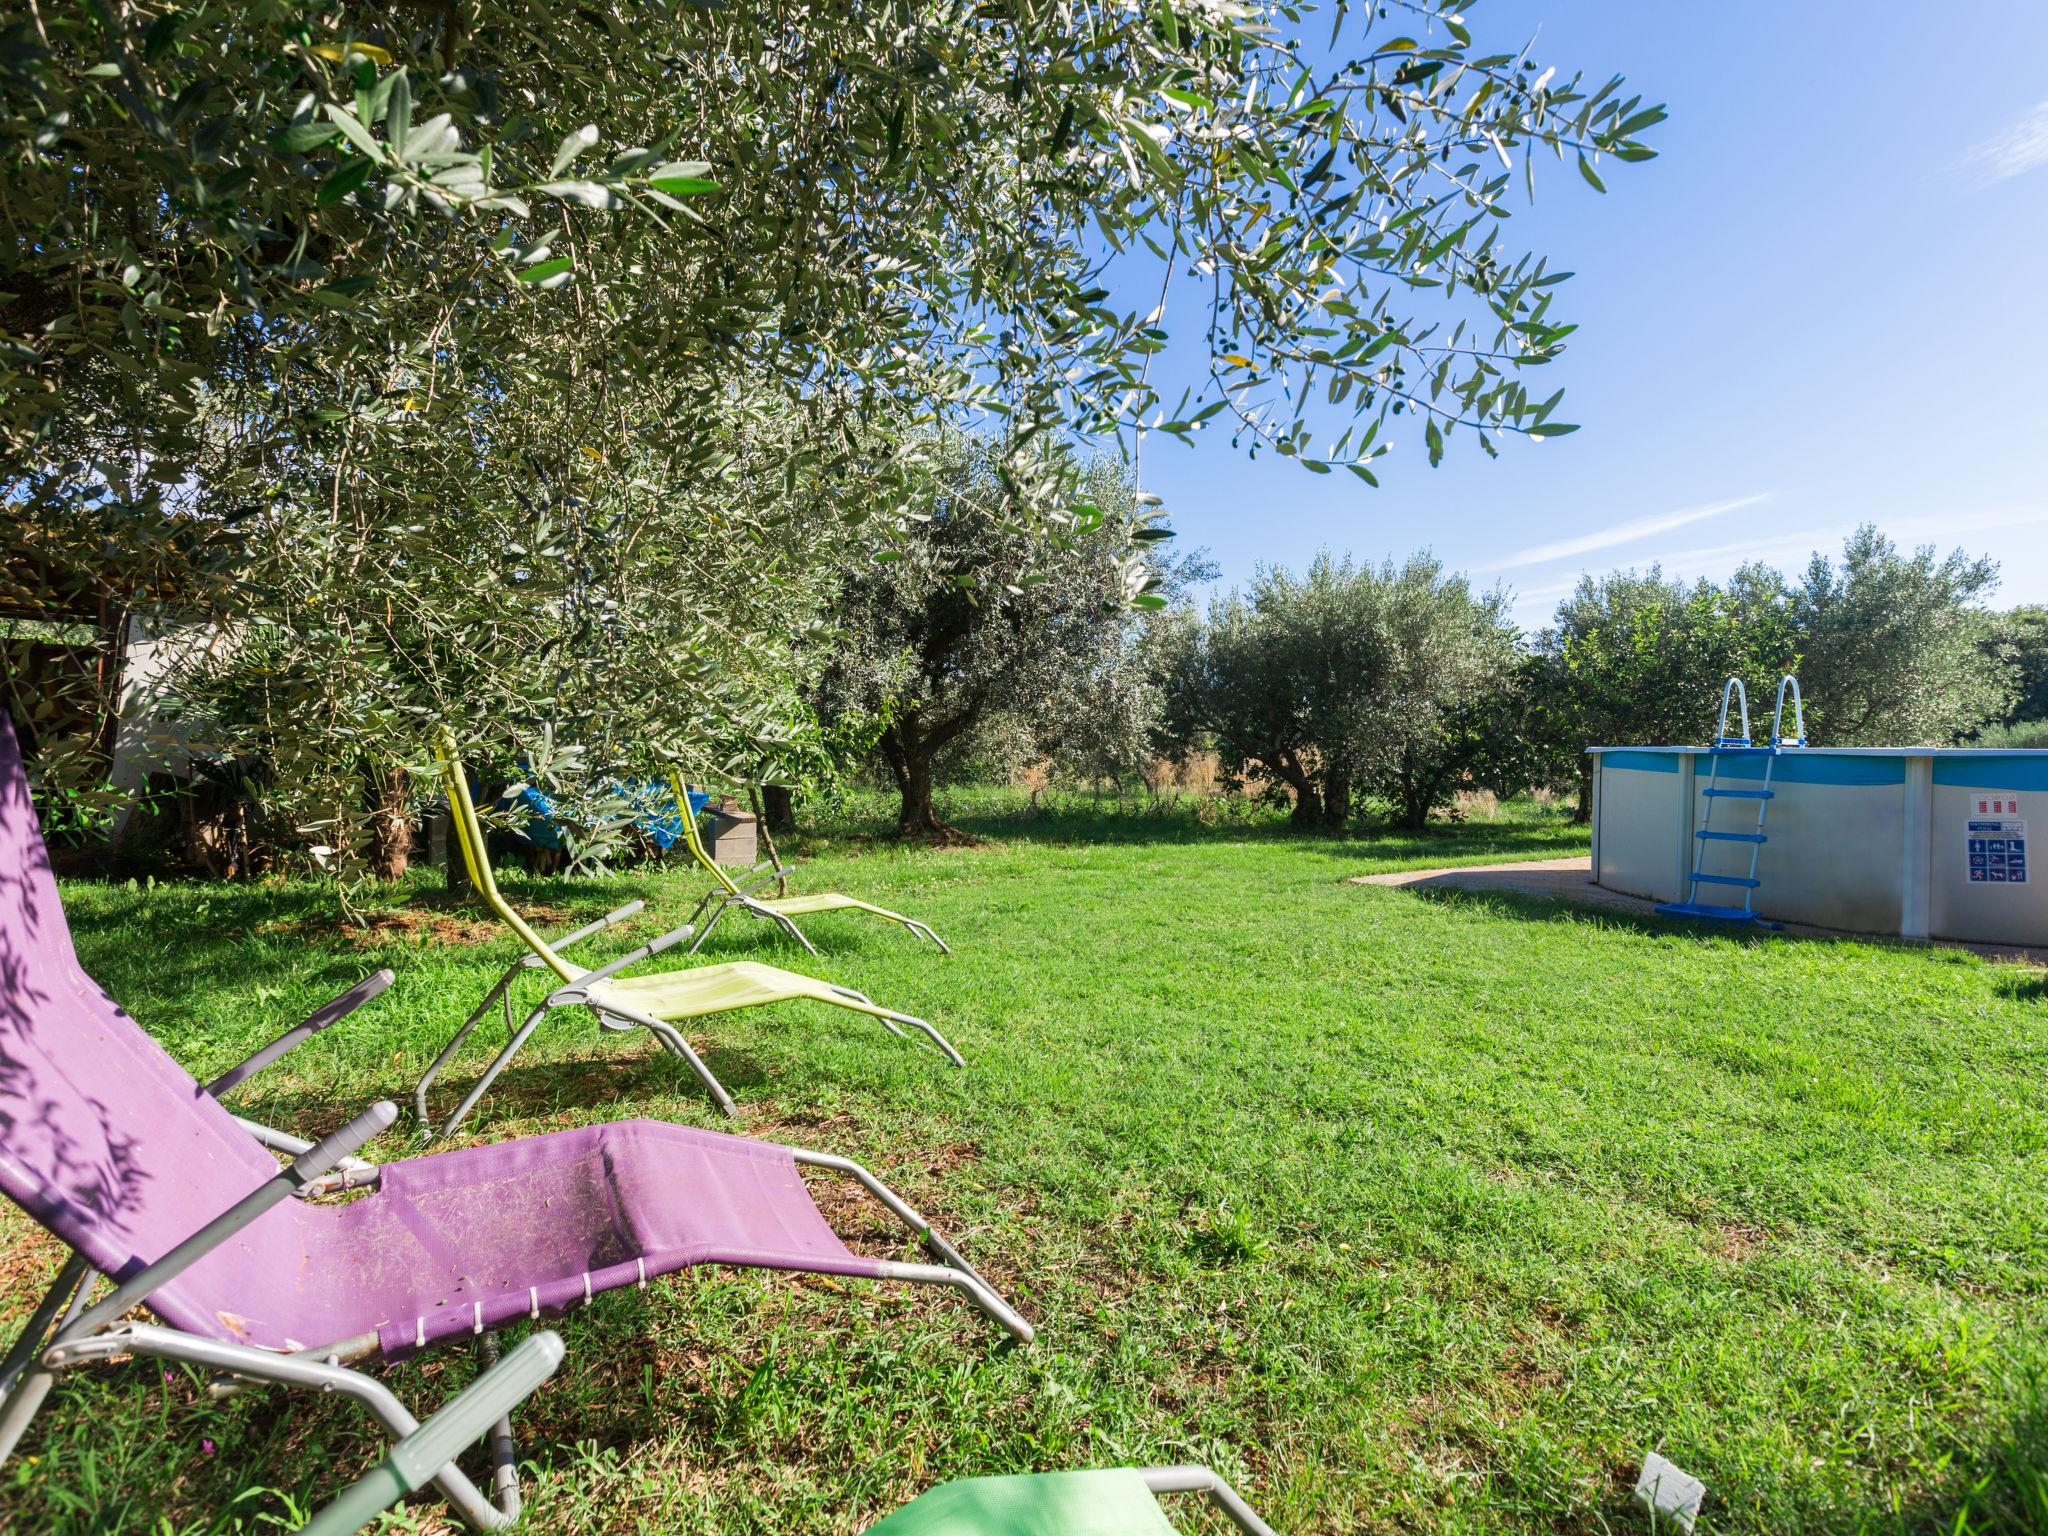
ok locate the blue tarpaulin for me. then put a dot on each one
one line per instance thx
(654, 807)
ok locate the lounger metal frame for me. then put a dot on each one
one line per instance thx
(574, 991)
(68, 1330)
(1221, 1494)
(730, 892)
(483, 1407)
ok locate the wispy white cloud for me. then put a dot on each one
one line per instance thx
(1528, 599)
(1789, 551)
(1942, 527)
(2013, 151)
(1621, 533)
(1715, 559)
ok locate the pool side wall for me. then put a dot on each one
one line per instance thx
(1865, 840)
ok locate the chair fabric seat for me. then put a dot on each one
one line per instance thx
(1107, 1502)
(713, 989)
(823, 901)
(461, 1241)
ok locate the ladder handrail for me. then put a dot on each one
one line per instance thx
(1732, 689)
(1798, 736)
(1724, 744)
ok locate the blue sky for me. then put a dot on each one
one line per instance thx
(1826, 302)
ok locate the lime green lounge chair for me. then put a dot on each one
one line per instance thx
(728, 893)
(656, 1002)
(1120, 1501)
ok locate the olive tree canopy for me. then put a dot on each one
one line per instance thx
(976, 624)
(1397, 681)
(1891, 649)
(369, 279)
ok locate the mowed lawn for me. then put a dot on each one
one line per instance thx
(1407, 1213)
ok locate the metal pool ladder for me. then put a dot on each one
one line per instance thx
(1738, 745)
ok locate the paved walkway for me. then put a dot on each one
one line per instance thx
(1572, 880)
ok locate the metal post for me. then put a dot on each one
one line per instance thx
(1917, 871)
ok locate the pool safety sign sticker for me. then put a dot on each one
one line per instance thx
(1998, 841)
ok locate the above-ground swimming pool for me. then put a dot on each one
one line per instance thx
(1923, 842)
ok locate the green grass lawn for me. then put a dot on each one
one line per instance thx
(1405, 1212)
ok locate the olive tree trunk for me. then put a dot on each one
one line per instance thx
(910, 753)
(390, 823)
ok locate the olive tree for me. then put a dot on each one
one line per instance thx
(1397, 681)
(1448, 709)
(922, 203)
(1892, 647)
(392, 282)
(2020, 640)
(1280, 681)
(974, 625)
(593, 600)
(1636, 657)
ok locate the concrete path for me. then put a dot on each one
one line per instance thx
(1572, 880)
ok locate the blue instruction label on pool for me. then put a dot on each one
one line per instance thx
(1997, 850)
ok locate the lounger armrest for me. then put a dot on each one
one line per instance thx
(323, 1155)
(590, 929)
(413, 1462)
(753, 880)
(536, 962)
(331, 1012)
(632, 957)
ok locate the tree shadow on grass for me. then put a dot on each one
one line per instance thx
(1562, 909)
(1471, 842)
(585, 1089)
(2025, 987)
(1996, 1486)
(1186, 824)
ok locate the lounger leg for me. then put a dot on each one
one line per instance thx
(951, 1269)
(674, 1040)
(1202, 1480)
(894, 1022)
(978, 1291)
(865, 1004)
(419, 1094)
(504, 1452)
(291, 1370)
(25, 1393)
(64, 1292)
(483, 1084)
(945, 1046)
(924, 930)
(787, 926)
(716, 913)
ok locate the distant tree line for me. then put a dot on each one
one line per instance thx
(1355, 690)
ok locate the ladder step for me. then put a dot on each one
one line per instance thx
(1741, 880)
(1741, 749)
(1708, 910)
(1741, 794)
(1733, 837)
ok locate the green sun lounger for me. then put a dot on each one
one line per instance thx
(1118, 1501)
(780, 910)
(655, 1002)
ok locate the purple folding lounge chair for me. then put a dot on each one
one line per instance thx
(154, 1186)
